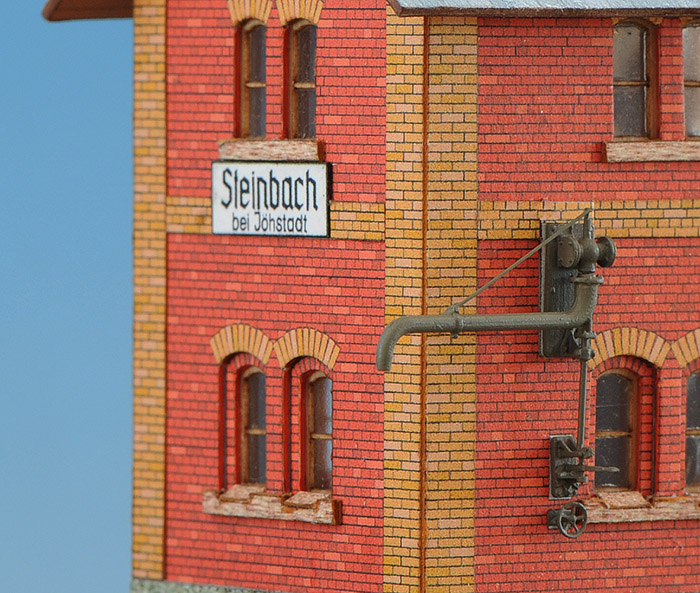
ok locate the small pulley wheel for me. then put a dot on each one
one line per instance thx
(573, 519)
(607, 251)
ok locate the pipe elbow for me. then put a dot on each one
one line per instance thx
(585, 299)
(412, 325)
(387, 342)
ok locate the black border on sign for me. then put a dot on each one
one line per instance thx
(329, 197)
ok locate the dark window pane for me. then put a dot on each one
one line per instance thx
(692, 111)
(693, 402)
(255, 79)
(323, 406)
(256, 54)
(629, 53)
(692, 461)
(630, 110)
(306, 111)
(323, 466)
(256, 458)
(612, 451)
(256, 400)
(256, 110)
(691, 53)
(306, 39)
(613, 398)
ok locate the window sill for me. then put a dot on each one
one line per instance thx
(261, 149)
(244, 500)
(621, 151)
(627, 507)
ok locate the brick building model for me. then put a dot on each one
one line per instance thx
(307, 171)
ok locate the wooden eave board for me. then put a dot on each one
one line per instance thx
(66, 10)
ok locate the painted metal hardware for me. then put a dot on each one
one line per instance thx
(558, 270)
(568, 296)
(577, 317)
(570, 520)
(567, 470)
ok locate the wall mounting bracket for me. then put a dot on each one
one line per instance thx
(568, 296)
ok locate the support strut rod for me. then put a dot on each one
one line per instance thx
(583, 255)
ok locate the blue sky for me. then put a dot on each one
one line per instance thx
(65, 303)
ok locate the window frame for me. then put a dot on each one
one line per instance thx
(244, 122)
(293, 87)
(650, 81)
(632, 432)
(689, 83)
(233, 444)
(244, 431)
(241, 351)
(308, 433)
(691, 431)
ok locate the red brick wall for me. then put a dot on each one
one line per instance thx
(350, 78)
(545, 107)
(274, 285)
(523, 399)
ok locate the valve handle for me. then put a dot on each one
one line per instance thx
(572, 520)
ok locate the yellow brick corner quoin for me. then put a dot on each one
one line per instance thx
(148, 512)
(403, 232)
(431, 207)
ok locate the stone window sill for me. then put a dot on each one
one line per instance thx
(625, 507)
(632, 151)
(260, 149)
(252, 500)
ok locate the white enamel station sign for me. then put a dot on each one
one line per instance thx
(283, 199)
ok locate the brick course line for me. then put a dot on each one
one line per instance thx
(614, 218)
(423, 454)
(348, 220)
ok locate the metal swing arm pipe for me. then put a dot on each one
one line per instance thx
(585, 299)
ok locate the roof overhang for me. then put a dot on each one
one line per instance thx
(67, 10)
(546, 8)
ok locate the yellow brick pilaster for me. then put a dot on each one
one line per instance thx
(149, 289)
(451, 255)
(430, 262)
(403, 527)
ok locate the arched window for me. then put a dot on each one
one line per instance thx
(242, 432)
(251, 389)
(634, 80)
(300, 74)
(616, 429)
(251, 79)
(317, 448)
(692, 434)
(691, 77)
